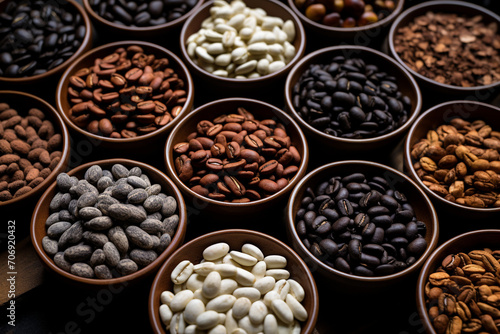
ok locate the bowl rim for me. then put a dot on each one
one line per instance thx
(65, 149)
(385, 21)
(425, 271)
(320, 52)
(113, 45)
(145, 29)
(299, 31)
(290, 224)
(429, 5)
(86, 43)
(312, 314)
(176, 241)
(409, 160)
(217, 203)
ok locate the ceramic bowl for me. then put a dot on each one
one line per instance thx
(235, 238)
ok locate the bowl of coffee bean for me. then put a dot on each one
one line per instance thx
(254, 281)
(240, 46)
(452, 153)
(236, 155)
(460, 53)
(40, 39)
(145, 20)
(361, 224)
(352, 98)
(108, 222)
(34, 149)
(457, 287)
(125, 95)
(359, 22)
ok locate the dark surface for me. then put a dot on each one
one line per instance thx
(56, 307)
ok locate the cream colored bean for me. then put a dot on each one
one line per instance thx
(251, 293)
(230, 323)
(228, 259)
(240, 257)
(216, 251)
(265, 284)
(250, 22)
(191, 49)
(177, 325)
(246, 33)
(193, 309)
(207, 320)
(239, 55)
(236, 21)
(296, 290)
(298, 310)
(211, 285)
(223, 59)
(195, 282)
(180, 300)
(253, 251)
(248, 326)
(288, 328)
(213, 36)
(278, 273)
(228, 39)
(222, 28)
(257, 37)
(203, 54)
(204, 268)
(191, 329)
(270, 324)
(216, 49)
(289, 29)
(244, 277)
(239, 331)
(198, 294)
(282, 311)
(221, 303)
(225, 269)
(181, 272)
(258, 312)
(219, 329)
(259, 270)
(165, 314)
(289, 51)
(227, 286)
(282, 287)
(221, 73)
(258, 49)
(281, 36)
(222, 318)
(241, 307)
(166, 297)
(275, 50)
(270, 297)
(178, 288)
(275, 261)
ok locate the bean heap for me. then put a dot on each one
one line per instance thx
(350, 99)
(30, 149)
(111, 223)
(37, 36)
(360, 226)
(126, 94)
(241, 42)
(463, 294)
(459, 161)
(141, 13)
(237, 158)
(233, 292)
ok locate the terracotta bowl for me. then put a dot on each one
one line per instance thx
(481, 93)
(260, 110)
(41, 213)
(242, 86)
(22, 102)
(407, 85)
(430, 120)
(236, 238)
(466, 242)
(339, 280)
(108, 27)
(325, 35)
(139, 143)
(56, 71)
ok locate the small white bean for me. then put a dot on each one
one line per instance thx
(191, 47)
(180, 300)
(250, 22)
(225, 269)
(269, 297)
(258, 49)
(296, 290)
(216, 49)
(165, 314)
(216, 251)
(251, 293)
(177, 325)
(213, 36)
(253, 250)
(239, 55)
(239, 331)
(193, 309)
(191, 329)
(211, 285)
(246, 33)
(223, 59)
(195, 282)
(244, 277)
(259, 269)
(281, 36)
(219, 329)
(181, 272)
(240, 257)
(228, 259)
(275, 49)
(289, 51)
(221, 73)
(257, 37)
(270, 324)
(207, 320)
(222, 28)
(178, 288)
(230, 323)
(221, 303)
(241, 307)
(236, 21)
(198, 294)
(275, 261)
(278, 273)
(289, 29)
(265, 284)
(258, 312)
(203, 54)
(228, 39)
(204, 268)
(282, 311)
(282, 287)
(222, 318)
(248, 326)
(269, 22)
(298, 310)
(227, 286)
(166, 297)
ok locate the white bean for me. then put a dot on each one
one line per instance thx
(289, 51)
(207, 320)
(165, 314)
(296, 290)
(244, 277)
(275, 49)
(221, 303)
(204, 268)
(240, 257)
(278, 273)
(166, 297)
(193, 309)
(239, 331)
(216, 49)
(181, 272)
(282, 287)
(239, 55)
(180, 300)
(227, 286)
(282, 311)
(269, 297)
(195, 282)
(225, 269)
(203, 54)
(270, 324)
(219, 329)
(222, 28)
(259, 269)
(213, 36)
(298, 310)
(236, 21)
(191, 329)
(230, 323)
(248, 326)
(229, 39)
(253, 250)
(177, 325)
(258, 49)
(265, 284)
(211, 285)
(251, 293)
(198, 294)
(289, 29)
(275, 261)
(241, 307)
(257, 37)
(258, 312)
(215, 251)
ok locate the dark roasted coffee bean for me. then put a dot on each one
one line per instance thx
(345, 207)
(321, 225)
(329, 246)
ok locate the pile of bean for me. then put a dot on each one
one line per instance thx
(109, 224)
(237, 158)
(30, 148)
(350, 99)
(360, 226)
(459, 161)
(463, 294)
(241, 42)
(141, 13)
(37, 36)
(234, 292)
(126, 94)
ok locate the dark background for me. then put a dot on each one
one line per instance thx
(56, 307)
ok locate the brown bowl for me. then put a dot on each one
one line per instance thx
(107, 27)
(242, 86)
(41, 213)
(466, 242)
(260, 110)
(53, 73)
(324, 35)
(430, 120)
(236, 238)
(407, 85)
(481, 93)
(22, 102)
(139, 143)
(416, 197)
